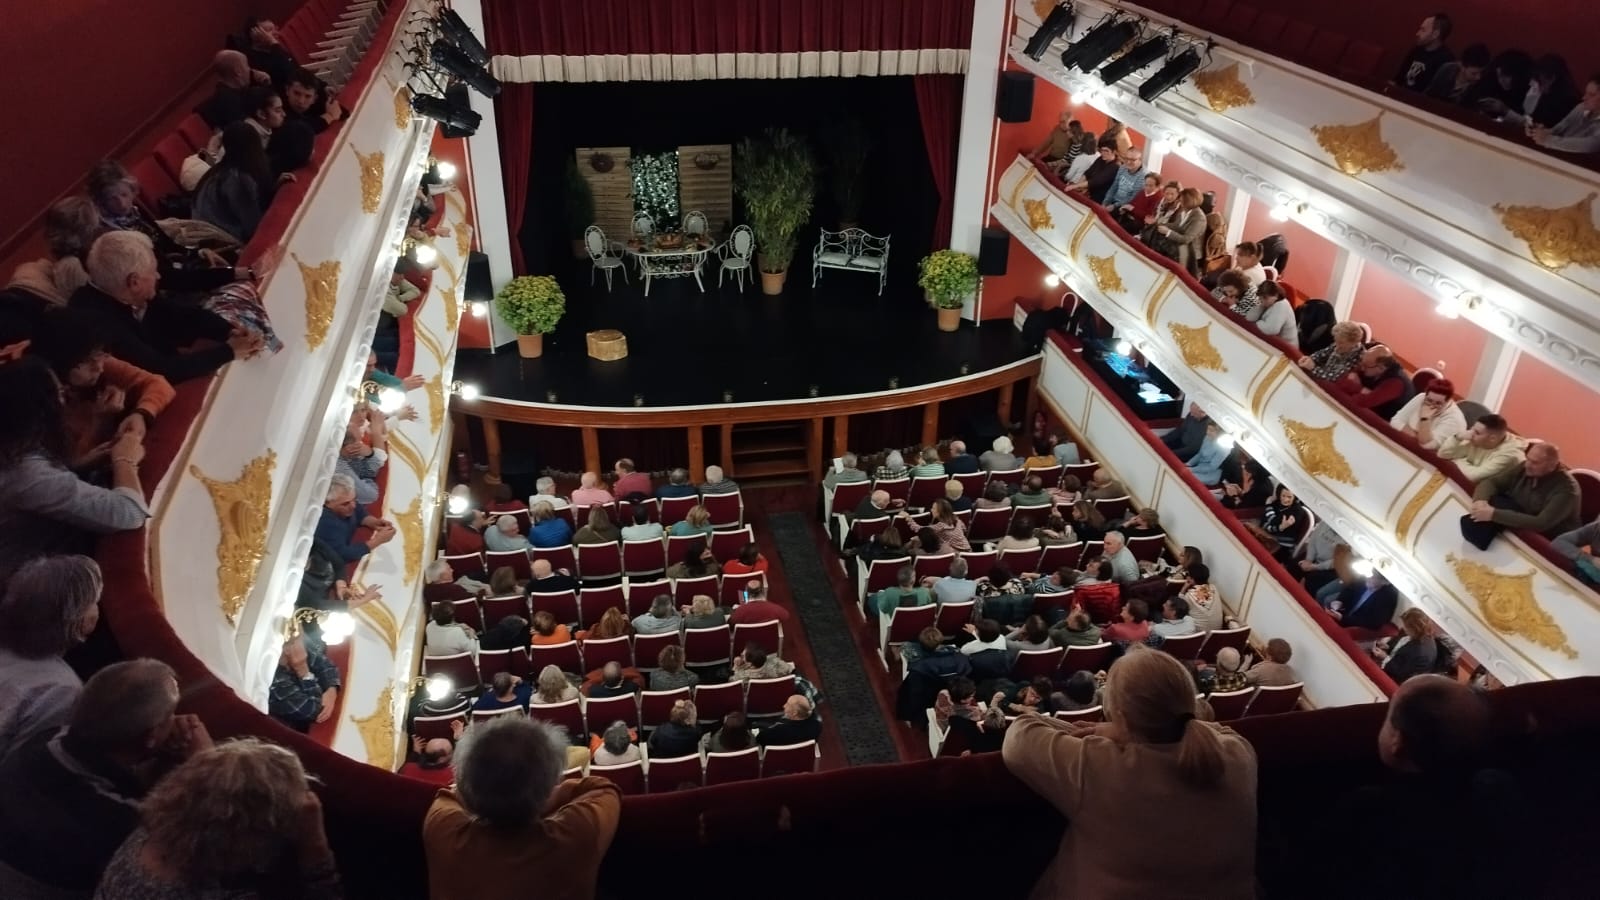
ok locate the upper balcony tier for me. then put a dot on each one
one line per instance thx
(1503, 231)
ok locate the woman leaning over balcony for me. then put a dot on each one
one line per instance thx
(44, 507)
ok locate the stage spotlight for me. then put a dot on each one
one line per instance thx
(1056, 24)
(1170, 75)
(455, 63)
(1098, 43)
(450, 115)
(1143, 54)
(456, 31)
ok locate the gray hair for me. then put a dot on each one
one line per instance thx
(340, 485)
(1121, 538)
(545, 485)
(958, 447)
(713, 474)
(116, 255)
(506, 768)
(895, 460)
(70, 226)
(122, 704)
(506, 524)
(958, 567)
(1348, 331)
(1002, 444)
(434, 570)
(678, 476)
(45, 602)
(616, 738)
(849, 459)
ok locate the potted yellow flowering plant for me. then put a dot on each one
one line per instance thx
(948, 277)
(531, 304)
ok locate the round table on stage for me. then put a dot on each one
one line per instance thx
(669, 255)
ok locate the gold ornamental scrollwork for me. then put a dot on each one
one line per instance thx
(371, 167)
(322, 295)
(1223, 88)
(1508, 604)
(377, 730)
(381, 620)
(452, 308)
(435, 390)
(1556, 238)
(1104, 270)
(1408, 513)
(402, 108)
(1318, 453)
(243, 508)
(1196, 347)
(1038, 213)
(409, 523)
(463, 233)
(1358, 148)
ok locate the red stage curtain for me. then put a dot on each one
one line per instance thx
(513, 114)
(561, 27)
(939, 106)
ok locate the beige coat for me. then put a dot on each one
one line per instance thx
(1479, 464)
(1122, 799)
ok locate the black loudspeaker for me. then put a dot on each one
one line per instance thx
(478, 286)
(1014, 102)
(992, 250)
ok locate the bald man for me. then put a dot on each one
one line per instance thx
(1539, 495)
(797, 726)
(591, 492)
(226, 104)
(546, 580)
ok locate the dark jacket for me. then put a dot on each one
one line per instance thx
(1184, 441)
(231, 200)
(1415, 658)
(225, 106)
(961, 464)
(671, 740)
(556, 583)
(789, 731)
(1100, 174)
(152, 342)
(1377, 612)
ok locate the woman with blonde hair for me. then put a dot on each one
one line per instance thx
(552, 687)
(237, 820)
(703, 612)
(1216, 259)
(1414, 652)
(696, 521)
(929, 465)
(613, 624)
(599, 530)
(1141, 779)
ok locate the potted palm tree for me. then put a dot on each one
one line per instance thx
(846, 146)
(775, 176)
(948, 277)
(531, 304)
(579, 203)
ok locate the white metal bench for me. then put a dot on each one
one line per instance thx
(852, 250)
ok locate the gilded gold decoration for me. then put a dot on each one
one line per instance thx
(452, 308)
(463, 233)
(377, 731)
(409, 523)
(430, 344)
(1318, 453)
(371, 165)
(1557, 238)
(401, 449)
(382, 621)
(322, 295)
(435, 389)
(1223, 88)
(1196, 347)
(402, 108)
(1358, 148)
(1104, 270)
(1258, 400)
(449, 268)
(1038, 213)
(1509, 606)
(1078, 234)
(243, 507)
(1408, 513)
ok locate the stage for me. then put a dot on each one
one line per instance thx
(689, 349)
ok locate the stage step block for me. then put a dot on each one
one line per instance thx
(763, 450)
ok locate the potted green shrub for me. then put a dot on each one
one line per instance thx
(948, 277)
(579, 207)
(531, 304)
(847, 146)
(775, 177)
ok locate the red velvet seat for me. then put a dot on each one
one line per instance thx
(734, 586)
(713, 701)
(625, 509)
(678, 546)
(195, 131)
(789, 759)
(1237, 638)
(972, 484)
(979, 562)
(568, 715)
(599, 561)
(628, 777)
(1031, 664)
(170, 153)
(1147, 549)
(1271, 700)
(765, 697)
(1184, 647)
(933, 565)
(561, 604)
(580, 514)
(565, 657)
(1214, 12)
(1326, 48)
(480, 716)
(647, 649)
(1012, 477)
(738, 765)
(601, 712)
(154, 183)
(1019, 561)
(727, 510)
(1083, 471)
(646, 557)
(563, 557)
(1294, 39)
(1588, 494)
(517, 560)
(766, 635)
(594, 601)
(925, 490)
(897, 488)
(953, 615)
(1360, 60)
(1091, 658)
(431, 727)
(1268, 26)
(705, 647)
(466, 563)
(655, 707)
(675, 509)
(684, 590)
(493, 662)
(878, 574)
(640, 594)
(1230, 705)
(904, 624)
(1049, 476)
(1092, 714)
(497, 608)
(1060, 556)
(667, 775)
(725, 545)
(1242, 17)
(460, 668)
(1113, 508)
(989, 525)
(467, 613)
(599, 651)
(845, 498)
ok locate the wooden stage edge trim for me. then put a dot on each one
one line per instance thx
(526, 412)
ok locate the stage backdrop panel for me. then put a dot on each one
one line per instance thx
(705, 182)
(612, 189)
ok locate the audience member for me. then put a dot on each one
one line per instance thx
(1127, 180)
(1431, 416)
(1233, 290)
(1032, 493)
(1184, 441)
(798, 725)
(905, 593)
(545, 492)
(696, 521)
(756, 608)
(447, 637)
(1146, 522)
(433, 757)
(1427, 56)
(590, 492)
(613, 683)
(240, 814)
(1104, 487)
(677, 486)
(1033, 634)
(1333, 362)
(1254, 487)
(1095, 179)
(510, 633)
(1201, 597)
(505, 691)
(734, 735)
(661, 619)
(505, 536)
(1550, 95)
(671, 673)
(1216, 258)
(305, 686)
(642, 529)
(844, 471)
(1287, 520)
(511, 821)
(342, 517)
(308, 102)
(227, 103)
(1457, 81)
(1227, 675)
(679, 736)
(1508, 86)
(1485, 450)
(696, 562)
(1207, 462)
(552, 687)
(928, 464)
(1019, 536)
(958, 700)
(961, 462)
(70, 227)
(1540, 495)
(503, 581)
(1142, 210)
(235, 193)
(547, 632)
(995, 496)
(1142, 779)
(1247, 262)
(598, 528)
(1180, 234)
(1579, 130)
(1124, 568)
(1579, 546)
(548, 529)
(1274, 316)
(1077, 630)
(1366, 604)
(50, 605)
(1066, 140)
(987, 634)
(1414, 652)
(616, 746)
(1135, 624)
(1175, 619)
(1000, 457)
(748, 562)
(718, 483)
(1080, 692)
(756, 662)
(703, 612)
(894, 466)
(546, 580)
(1315, 565)
(629, 480)
(1274, 671)
(1378, 383)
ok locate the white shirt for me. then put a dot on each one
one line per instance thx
(1277, 321)
(1446, 421)
(1079, 165)
(448, 640)
(554, 501)
(1174, 627)
(1255, 274)
(977, 646)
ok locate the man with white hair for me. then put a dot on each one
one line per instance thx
(545, 491)
(960, 462)
(51, 604)
(342, 517)
(1001, 457)
(717, 482)
(847, 472)
(440, 583)
(1124, 568)
(72, 794)
(145, 330)
(510, 819)
(504, 535)
(677, 486)
(1336, 360)
(590, 492)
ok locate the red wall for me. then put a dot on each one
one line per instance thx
(1311, 256)
(84, 78)
(1542, 402)
(1403, 317)
(1176, 168)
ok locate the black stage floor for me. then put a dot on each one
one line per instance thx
(686, 348)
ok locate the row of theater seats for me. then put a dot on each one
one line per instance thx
(602, 562)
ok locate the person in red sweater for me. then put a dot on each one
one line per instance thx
(757, 609)
(750, 562)
(1378, 383)
(1135, 624)
(629, 480)
(1134, 215)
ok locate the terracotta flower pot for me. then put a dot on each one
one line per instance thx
(531, 346)
(772, 282)
(950, 319)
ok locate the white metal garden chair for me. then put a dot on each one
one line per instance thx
(603, 256)
(695, 224)
(736, 254)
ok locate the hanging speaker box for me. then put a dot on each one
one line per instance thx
(1014, 102)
